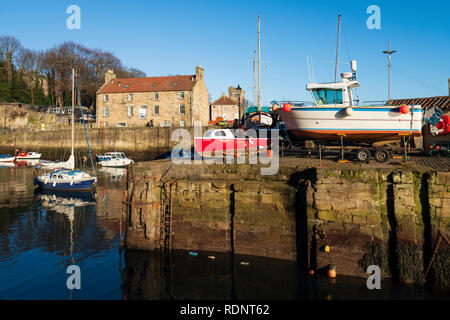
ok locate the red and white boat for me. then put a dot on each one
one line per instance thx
(28, 156)
(219, 141)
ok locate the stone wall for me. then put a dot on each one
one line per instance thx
(16, 118)
(389, 218)
(139, 143)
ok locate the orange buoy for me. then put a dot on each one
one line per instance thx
(332, 272)
(404, 109)
(269, 153)
(287, 107)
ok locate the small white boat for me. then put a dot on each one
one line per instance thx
(7, 158)
(114, 159)
(28, 156)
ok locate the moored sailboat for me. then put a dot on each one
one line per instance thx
(61, 175)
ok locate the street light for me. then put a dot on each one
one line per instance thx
(239, 91)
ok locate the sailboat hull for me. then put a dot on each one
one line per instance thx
(365, 124)
(86, 184)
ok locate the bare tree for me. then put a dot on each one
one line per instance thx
(9, 47)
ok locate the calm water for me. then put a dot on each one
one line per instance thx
(42, 234)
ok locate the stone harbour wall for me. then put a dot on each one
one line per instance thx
(371, 216)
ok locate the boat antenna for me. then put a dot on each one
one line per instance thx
(389, 53)
(337, 49)
(84, 125)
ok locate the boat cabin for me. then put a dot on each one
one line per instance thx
(335, 93)
(115, 155)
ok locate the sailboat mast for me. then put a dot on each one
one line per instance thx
(73, 107)
(337, 49)
(259, 63)
(255, 90)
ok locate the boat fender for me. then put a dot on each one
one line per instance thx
(46, 180)
(404, 109)
(348, 111)
(331, 271)
(54, 184)
(443, 126)
(71, 182)
(287, 107)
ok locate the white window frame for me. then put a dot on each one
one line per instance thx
(140, 112)
(154, 110)
(105, 114)
(129, 97)
(130, 114)
(105, 98)
(184, 109)
(181, 95)
(155, 96)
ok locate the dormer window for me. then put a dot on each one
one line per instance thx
(175, 84)
(153, 85)
(119, 83)
(126, 86)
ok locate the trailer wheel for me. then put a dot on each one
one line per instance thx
(382, 155)
(363, 155)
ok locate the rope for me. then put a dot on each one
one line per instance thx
(84, 125)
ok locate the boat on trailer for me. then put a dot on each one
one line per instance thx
(226, 140)
(333, 115)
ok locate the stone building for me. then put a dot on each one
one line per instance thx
(158, 101)
(224, 108)
(227, 108)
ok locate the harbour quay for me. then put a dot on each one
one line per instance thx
(344, 216)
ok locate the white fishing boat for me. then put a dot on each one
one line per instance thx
(334, 114)
(60, 175)
(28, 156)
(114, 159)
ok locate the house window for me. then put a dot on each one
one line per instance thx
(105, 124)
(182, 123)
(181, 95)
(156, 111)
(143, 112)
(130, 111)
(156, 95)
(105, 98)
(130, 97)
(106, 112)
(224, 109)
(181, 108)
(121, 124)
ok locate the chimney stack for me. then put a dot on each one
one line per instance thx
(199, 72)
(109, 75)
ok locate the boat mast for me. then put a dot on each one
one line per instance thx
(259, 63)
(254, 79)
(73, 107)
(337, 49)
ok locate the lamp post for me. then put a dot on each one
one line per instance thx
(239, 91)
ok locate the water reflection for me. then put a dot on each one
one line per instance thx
(43, 232)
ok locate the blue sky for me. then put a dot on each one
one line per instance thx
(172, 37)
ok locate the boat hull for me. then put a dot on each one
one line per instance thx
(365, 124)
(7, 159)
(206, 146)
(85, 184)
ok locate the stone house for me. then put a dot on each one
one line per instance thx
(227, 108)
(224, 108)
(158, 101)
